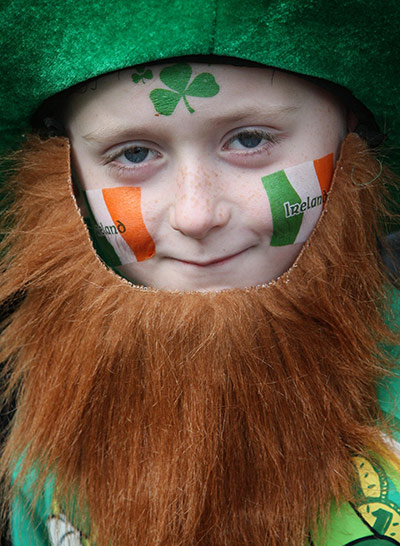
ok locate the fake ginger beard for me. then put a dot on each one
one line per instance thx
(193, 418)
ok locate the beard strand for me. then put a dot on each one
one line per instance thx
(174, 418)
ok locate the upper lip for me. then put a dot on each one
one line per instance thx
(211, 262)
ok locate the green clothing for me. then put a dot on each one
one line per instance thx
(374, 521)
(389, 388)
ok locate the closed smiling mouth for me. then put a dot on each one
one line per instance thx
(215, 261)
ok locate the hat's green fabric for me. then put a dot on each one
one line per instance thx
(50, 45)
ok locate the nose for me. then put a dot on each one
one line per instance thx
(200, 203)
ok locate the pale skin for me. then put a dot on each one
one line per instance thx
(200, 173)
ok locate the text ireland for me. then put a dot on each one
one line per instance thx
(308, 203)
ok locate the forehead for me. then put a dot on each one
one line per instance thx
(212, 90)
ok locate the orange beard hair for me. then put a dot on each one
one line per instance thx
(193, 418)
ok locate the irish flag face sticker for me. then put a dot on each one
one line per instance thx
(297, 196)
(120, 231)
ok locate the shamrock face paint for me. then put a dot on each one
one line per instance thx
(221, 199)
(177, 78)
(142, 74)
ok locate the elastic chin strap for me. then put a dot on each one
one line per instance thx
(367, 131)
(52, 127)
(372, 135)
(365, 125)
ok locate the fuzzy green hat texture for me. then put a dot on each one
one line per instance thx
(47, 46)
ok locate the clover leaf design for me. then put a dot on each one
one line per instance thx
(177, 78)
(142, 74)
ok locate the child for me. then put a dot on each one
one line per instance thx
(202, 369)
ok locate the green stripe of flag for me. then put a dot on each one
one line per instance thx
(279, 191)
(103, 248)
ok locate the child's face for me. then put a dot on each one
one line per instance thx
(184, 167)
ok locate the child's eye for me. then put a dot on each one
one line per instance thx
(132, 155)
(136, 155)
(250, 140)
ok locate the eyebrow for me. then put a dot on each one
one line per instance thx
(251, 111)
(122, 132)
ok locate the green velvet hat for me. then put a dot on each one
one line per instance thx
(50, 45)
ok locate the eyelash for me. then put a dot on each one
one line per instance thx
(270, 138)
(114, 155)
(124, 169)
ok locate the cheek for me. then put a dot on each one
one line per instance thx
(332, 123)
(283, 257)
(255, 209)
(155, 213)
(119, 227)
(296, 197)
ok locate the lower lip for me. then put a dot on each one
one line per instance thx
(215, 263)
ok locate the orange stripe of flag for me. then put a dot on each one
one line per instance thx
(324, 169)
(124, 206)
